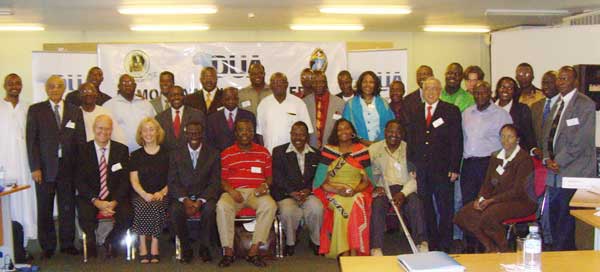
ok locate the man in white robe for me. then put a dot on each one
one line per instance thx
(13, 156)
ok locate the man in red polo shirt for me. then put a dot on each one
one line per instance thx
(246, 177)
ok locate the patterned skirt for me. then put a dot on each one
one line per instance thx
(149, 217)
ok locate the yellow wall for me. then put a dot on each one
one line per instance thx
(436, 50)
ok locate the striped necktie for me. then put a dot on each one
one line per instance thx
(103, 175)
(554, 128)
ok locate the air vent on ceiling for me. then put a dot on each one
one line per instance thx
(585, 18)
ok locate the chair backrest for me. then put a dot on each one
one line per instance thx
(540, 174)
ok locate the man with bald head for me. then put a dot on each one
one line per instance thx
(94, 76)
(452, 92)
(207, 100)
(278, 112)
(344, 80)
(219, 131)
(54, 131)
(103, 186)
(435, 146)
(128, 109)
(13, 116)
(413, 99)
(251, 96)
(306, 80)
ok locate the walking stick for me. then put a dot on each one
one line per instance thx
(413, 247)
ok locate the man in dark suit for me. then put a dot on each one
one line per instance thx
(103, 187)
(412, 100)
(294, 166)
(166, 81)
(541, 110)
(194, 186)
(569, 151)
(94, 76)
(207, 100)
(436, 147)
(174, 119)
(54, 130)
(219, 132)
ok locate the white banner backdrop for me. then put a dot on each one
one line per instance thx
(231, 59)
(72, 66)
(388, 65)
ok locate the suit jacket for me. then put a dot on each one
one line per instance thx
(88, 172)
(43, 137)
(165, 119)
(413, 100)
(574, 146)
(157, 104)
(521, 116)
(218, 133)
(335, 107)
(436, 149)
(196, 100)
(537, 116)
(204, 181)
(287, 177)
(73, 98)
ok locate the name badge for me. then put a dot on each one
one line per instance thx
(70, 124)
(398, 166)
(220, 108)
(500, 170)
(116, 167)
(336, 116)
(246, 104)
(438, 122)
(255, 170)
(573, 122)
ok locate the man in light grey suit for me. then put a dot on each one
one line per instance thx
(569, 151)
(166, 81)
(323, 108)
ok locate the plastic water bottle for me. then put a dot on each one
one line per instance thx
(532, 250)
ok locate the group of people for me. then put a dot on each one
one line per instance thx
(334, 162)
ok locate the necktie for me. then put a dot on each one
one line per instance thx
(546, 109)
(208, 101)
(428, 119)
(57, 115)
(194, 158)
(554, 128)
(103, 174)
(176, 124)
(230, 121)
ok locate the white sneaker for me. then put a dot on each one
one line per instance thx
(376, 252)
(423, 247)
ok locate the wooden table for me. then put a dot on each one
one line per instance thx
(586, 199)
(575, 261)
(6, 237)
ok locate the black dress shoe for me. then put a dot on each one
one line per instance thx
(226, 261)
(313, 247)
(70, 251)
(256, 260)
(205, 255)
(289, 250)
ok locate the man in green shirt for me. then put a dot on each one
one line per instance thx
(452, 92)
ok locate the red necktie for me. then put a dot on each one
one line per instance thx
(428, 119)
(176, 124)
(230, 121)
(103, 174)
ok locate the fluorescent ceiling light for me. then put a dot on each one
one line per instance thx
(382, 10)
(168, 27)
(526, 12)
(467, 29)
(327, 27)
(167, 10)
(6, 11)
(21, 28)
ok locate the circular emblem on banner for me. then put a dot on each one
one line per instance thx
(318, 60)
(137, 63)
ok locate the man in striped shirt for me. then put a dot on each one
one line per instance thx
(246, 177)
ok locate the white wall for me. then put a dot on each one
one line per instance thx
(436, 50)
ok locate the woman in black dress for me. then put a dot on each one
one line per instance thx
(149, 166)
